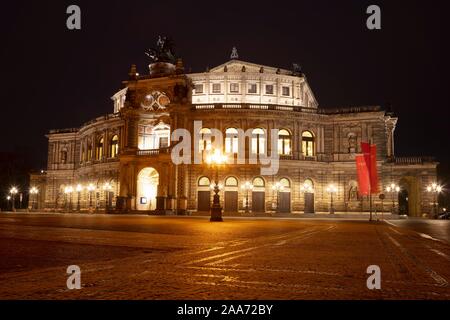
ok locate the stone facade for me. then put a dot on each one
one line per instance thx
(126, 157)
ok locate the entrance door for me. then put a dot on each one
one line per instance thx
(284, 202)
(204, 200)
(309, 202)
(231, 201)
(258, 202)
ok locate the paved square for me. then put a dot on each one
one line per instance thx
(143, 257)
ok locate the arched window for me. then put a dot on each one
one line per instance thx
(89, 151)
(258, 141)
(204, 182)
(99, 150)
(231, 141)
(161, 134)
(205, 140)
(114, 146)
(284, 142)
(308, 147)
(308, 186)
(231, 182)
(83, 154)
(258, 182)
(285, 183)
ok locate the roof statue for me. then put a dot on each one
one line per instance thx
(163, 52)
(296, 68)
(234, 54)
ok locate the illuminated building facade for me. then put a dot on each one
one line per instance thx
(123, 161)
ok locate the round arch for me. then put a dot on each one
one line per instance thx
(147, 189)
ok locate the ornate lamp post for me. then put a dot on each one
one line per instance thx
(79, 188)
(33, 195)
(13, 191)
(90, 189)
(331, 189)
(215, 160)
(247, 186)
(435, 189)
(68, 191)
(277, 187)
(107, 188)
(393, 189)
(8, 198)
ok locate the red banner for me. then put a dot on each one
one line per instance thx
(373, 170)
(363, 176)
(369, 156)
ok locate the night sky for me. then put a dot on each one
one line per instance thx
(55, 78)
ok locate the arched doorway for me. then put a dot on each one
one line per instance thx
(147, 189)
(409, 195)
(308, 190)
(285, 196)
(231, 195)
(259, 195)
(204, 194)
(403, 202)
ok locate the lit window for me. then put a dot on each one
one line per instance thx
(204, 182)
(83, 154)
(234, 87)
(308, 144)
(205, 140)
(284, 142)
(114, 146)
(153, 137)
(258, 182)
(89, 151)
(258, 141)
(231, 141)
(285, 183)
(216, 88)
(99, 150)
(269, 89)
(252, 88)
(231, 182)
(198, 88)
(308, 186)
(286, 91)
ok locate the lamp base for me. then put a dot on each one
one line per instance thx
(216, 214)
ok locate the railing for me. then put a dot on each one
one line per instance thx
(350, 110)
(277, 107)
(253, 106)
(413, 160)
(153, 152)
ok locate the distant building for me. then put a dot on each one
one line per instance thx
(122, 161)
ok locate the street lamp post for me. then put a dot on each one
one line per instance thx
(435, 189)
(107, 188)
(8, 198)
(331, 189)
(13, 191)
(33, 195)
(90, 189)
(277, 187)
(68, 191)
(393, 189)
(79, 189)
(215, 160)
(247, 186)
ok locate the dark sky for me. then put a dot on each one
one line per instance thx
(55, 78)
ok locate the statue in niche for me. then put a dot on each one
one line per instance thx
(352, 142)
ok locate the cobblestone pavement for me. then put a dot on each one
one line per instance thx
(142, 257)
